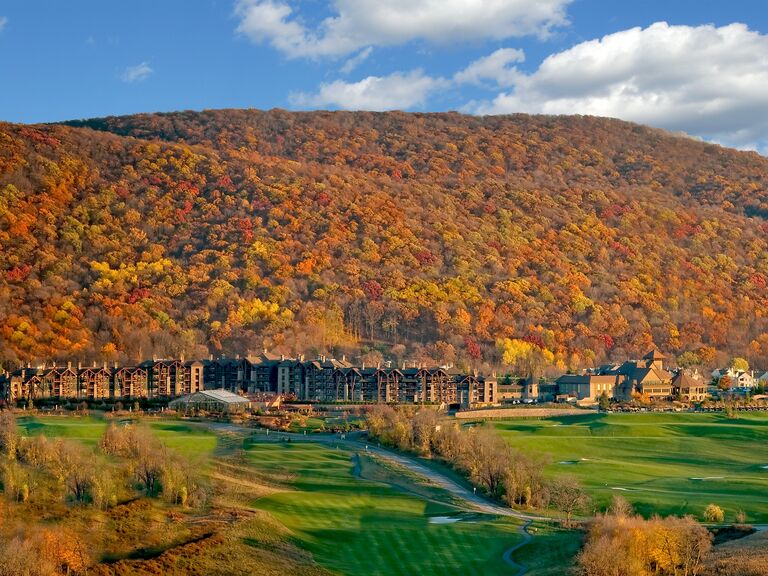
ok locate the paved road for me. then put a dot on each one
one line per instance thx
(474, 502)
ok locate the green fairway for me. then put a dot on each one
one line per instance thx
(86, 429)
(359, 527)
(662, 463)
(186, 438)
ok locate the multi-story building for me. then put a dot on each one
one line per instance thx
(130, 382)
(94, 382)
(321, 380)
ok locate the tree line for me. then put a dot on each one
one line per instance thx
(489, 463)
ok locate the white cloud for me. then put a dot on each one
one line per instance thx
(398, 91)
(707, 81)
(495, 67)
(360, 23)
(356, 60)
(3, 22)
(136, 73)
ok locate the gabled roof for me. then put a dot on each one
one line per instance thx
(684, 381)
(131, 369)
(654, 355)
(653, 374)
(62, 370)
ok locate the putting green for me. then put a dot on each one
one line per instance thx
(663, 463)
(358, 527)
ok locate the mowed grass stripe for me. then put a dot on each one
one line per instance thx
(357, 527)
(188, 439)
(656, 458)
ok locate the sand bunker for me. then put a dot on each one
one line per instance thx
(443, 520)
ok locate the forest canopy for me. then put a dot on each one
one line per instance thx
(433, 237)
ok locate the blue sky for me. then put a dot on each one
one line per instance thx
(698, 66)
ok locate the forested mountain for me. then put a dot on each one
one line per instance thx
(424, 236)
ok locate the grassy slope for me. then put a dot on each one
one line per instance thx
(551, 551)
(308, 495)
(655, 458)
(358, 527)
(185, 438)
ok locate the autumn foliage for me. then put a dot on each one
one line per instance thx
(580, 239)
(622, 544)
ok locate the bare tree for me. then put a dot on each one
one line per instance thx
(9, 435)
(567, 495)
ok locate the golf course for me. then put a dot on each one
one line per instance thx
(388, 525)
(665, 463)
(353, 512)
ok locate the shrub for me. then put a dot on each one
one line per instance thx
(713, 513)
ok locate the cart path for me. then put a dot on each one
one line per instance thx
(474, 502)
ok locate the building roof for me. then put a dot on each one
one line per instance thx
(219, 395)
(654, 355)
(684, 381)
(586, 378)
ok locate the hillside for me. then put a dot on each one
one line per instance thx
(426, 236)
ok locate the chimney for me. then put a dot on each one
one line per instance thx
(79, 366)
(265, 351)
(94, 363)
(115, 364)
(343, 357)
(282, 357)
(105, 364)
(210, 357)
(69, 365)
(54, 363)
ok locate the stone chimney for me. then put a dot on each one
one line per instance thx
(69, 365)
